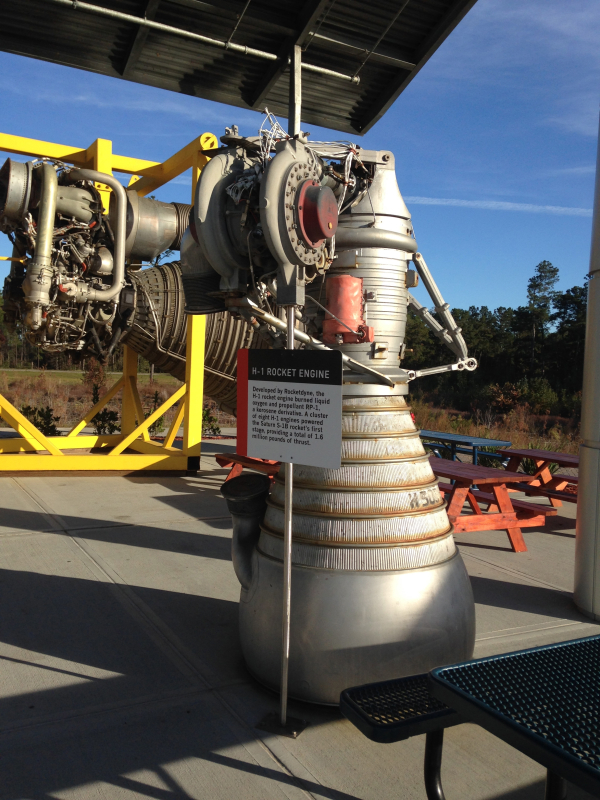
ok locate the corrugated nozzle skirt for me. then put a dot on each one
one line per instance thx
(381, 512)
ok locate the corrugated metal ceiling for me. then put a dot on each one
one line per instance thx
(386, 41)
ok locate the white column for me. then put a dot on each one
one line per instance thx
(587, 547)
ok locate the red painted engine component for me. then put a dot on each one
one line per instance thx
(317, 213)
(345, 301)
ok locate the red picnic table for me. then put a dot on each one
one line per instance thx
(503, 514)
(544, 483)
(238, 463)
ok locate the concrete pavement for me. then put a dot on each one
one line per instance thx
(121, 674)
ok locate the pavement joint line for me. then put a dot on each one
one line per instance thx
(508, 632)
(169, 643)
(516, 572)
(109, 526)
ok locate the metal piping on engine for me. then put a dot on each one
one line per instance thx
(309, 341)
(110, 293)
(374, 237)
(37, 283)
(443, 309)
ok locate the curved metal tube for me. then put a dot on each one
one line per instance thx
(442, 308)
(375, 237)
(37, 283)
(110, 293)
(434, 743)
(246, 532)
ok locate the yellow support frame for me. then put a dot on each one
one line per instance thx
(31, 451)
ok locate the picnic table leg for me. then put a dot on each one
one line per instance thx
(546, 481)
(457, 499)
(235, 471)
(504, 505)
(434, 743)
(556, 787)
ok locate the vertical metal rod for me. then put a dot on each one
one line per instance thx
(587, 543)
(295, 98)
(287, 553)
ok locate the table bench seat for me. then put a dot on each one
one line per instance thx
(534, 509)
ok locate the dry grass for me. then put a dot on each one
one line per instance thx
(523, 429)
(70, 398)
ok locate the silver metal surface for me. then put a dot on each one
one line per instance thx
(287, 552)
(379, 588)
(118, 280)
(295, 102)
(15, 189)
(38, 276)
(152, 226)
(352, 626)
(587, 546)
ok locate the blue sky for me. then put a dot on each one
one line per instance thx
(495, 140)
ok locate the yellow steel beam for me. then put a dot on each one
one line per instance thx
(153, 447)
(137, 402)
(128, 414)
(124, 443)
(194, 380)
(73, 155)
(98, 407)
(124, 462)
(147, 176)
(18, 445)
(177, 420)
(26, 428)
(188, 156)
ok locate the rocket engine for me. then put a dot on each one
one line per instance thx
(379, 588)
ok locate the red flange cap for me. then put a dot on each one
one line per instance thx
(317, 213)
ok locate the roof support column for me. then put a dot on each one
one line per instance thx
(587, 546)
(295, 98)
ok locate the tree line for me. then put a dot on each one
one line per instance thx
(530, 354)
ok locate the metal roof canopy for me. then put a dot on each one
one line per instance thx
(357, 57)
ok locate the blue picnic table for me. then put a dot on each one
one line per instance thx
(458, 443)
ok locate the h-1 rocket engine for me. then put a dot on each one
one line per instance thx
(379, 588)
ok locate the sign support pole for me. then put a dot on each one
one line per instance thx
(287, 553)
(295, 110)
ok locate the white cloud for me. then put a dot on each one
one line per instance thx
(497, 205)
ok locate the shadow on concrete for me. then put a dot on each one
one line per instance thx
(525, 597)
(168, 538)
(71, 627)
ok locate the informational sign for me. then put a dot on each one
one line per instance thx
(290, 406)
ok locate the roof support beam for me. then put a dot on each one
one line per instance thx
(308, 18)
(140, 40)
(389, 95)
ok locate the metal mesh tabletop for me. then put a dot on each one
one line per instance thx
(393, 710)
(545, 701)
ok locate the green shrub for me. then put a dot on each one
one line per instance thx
(210, 424)
(43, 419)
(159, 424)
(106, 421)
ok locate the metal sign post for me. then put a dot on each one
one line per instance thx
(287, 556)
